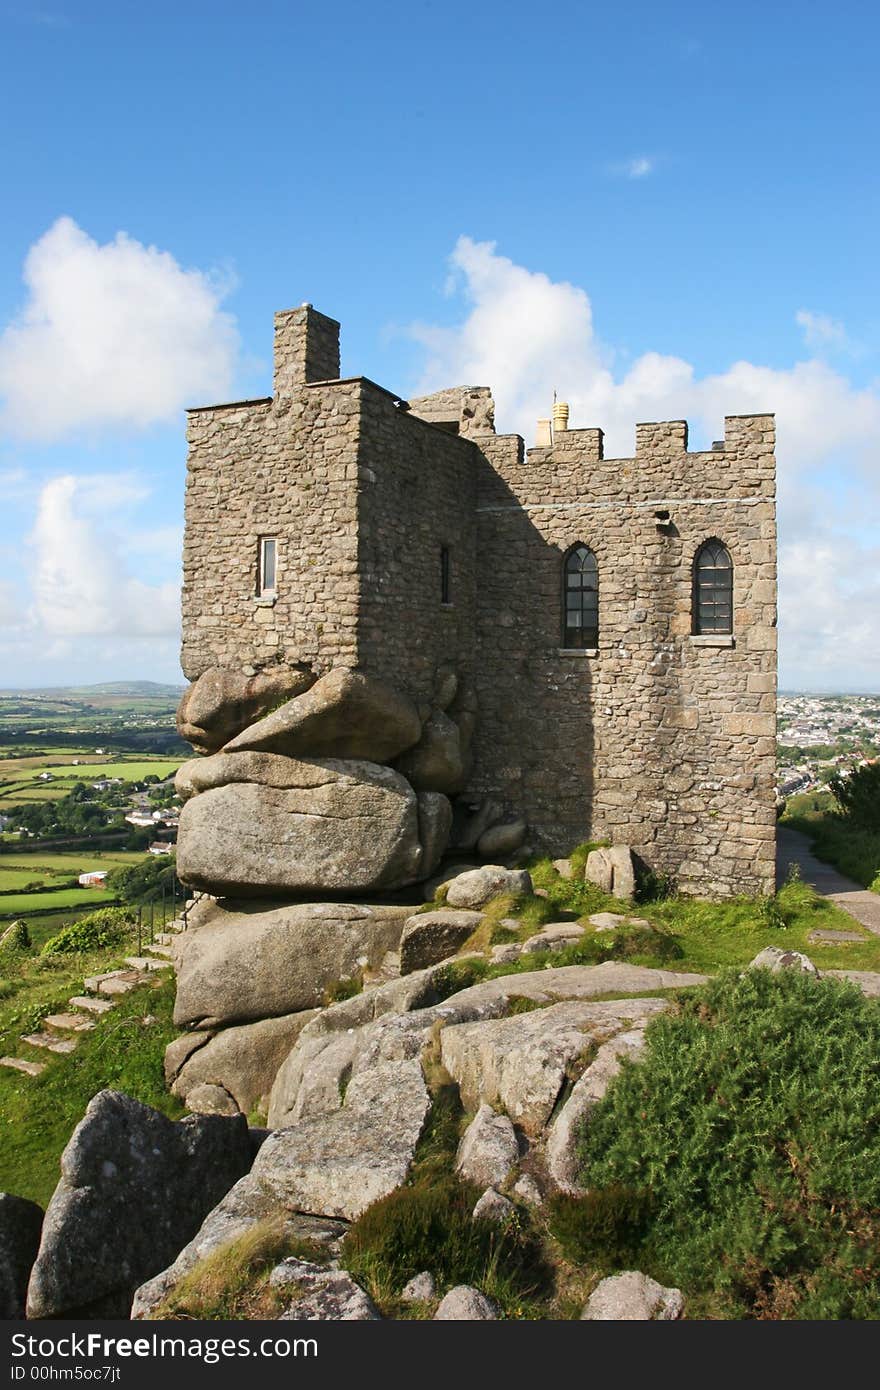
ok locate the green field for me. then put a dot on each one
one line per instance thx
(17, 871)
(20, 904)
(20, 780)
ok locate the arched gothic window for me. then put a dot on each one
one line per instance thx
(580, 598)
(713, 589)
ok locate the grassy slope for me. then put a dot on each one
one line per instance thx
(124, 1052)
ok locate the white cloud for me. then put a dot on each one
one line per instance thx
(526, 336)
(639, 167)
(81, 583)
(116, 335)
(820, 330)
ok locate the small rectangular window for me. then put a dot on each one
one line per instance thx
(445, 575)
(266, 574)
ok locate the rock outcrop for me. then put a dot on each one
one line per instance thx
(522, 1063)
(429, 937)
(244, 961)
(134, 1188)
(319, 1294)
(276, 825)
(20, 1224)
(223, 702)
(338, 1163)
(243, 1059)
(488, 1152)
(477, 887)
(345, 714)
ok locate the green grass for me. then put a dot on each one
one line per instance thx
(123, 1052)
(50, 870)
(20, 904)
(748, 1140)
(684, 934)
(232, 1283)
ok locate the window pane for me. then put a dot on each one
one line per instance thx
(268, 566)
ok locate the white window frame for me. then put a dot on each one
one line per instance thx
(265, 590)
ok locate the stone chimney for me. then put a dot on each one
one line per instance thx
(306, 349)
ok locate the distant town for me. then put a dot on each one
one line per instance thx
(820, 735)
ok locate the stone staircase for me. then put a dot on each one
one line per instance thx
(60, 1033)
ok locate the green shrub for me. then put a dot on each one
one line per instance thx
(858, 795)
(754, 1122)
(430, 1226)
(17, 937)
(109, 926)
(605, 1229)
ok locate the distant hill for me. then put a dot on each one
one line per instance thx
(144, 689)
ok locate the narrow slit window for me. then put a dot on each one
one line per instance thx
(445, 575)
(580, 599)
(267, 565)
(713, 590)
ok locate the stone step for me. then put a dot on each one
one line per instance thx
(19, 1064)
(146, 963)
(50, 1042)
(167, 952)
(74, 1023)
(91, 1004)
(114, 982)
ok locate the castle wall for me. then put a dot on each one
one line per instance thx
(417, 493)
(285, 468)
(660, 740)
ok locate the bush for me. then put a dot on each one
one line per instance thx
(430, 1226)
(17, 937)
(605, 1229)
(109, 926)
(858, 795)
(754, 1122)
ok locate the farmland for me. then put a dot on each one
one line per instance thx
(54, 746)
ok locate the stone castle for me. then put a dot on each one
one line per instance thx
(407, 632)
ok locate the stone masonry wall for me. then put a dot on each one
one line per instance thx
(661, 740)
(417, 494)
(285, 467)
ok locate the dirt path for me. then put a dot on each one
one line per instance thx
(794, 848)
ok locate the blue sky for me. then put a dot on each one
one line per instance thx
(660, 211)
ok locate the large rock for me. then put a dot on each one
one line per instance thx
(244, 1060)
(776, 958)
(613, 870)
(478, 886)
(395, 1022)
(633, 1297)
(244, 961)
(134, 1188)
(265, 825)
(488, 1152)
(429, 937)
(435, 764)
(502, 839)
(589, 1089)
(246, 1206)
(319, 1294)
(337, 1164)
(464, 1304)
(20, 1223)
(345, 714)
(522, 1063)
(222, 702)
(435, 826)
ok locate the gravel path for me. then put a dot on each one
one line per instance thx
(794, 848)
